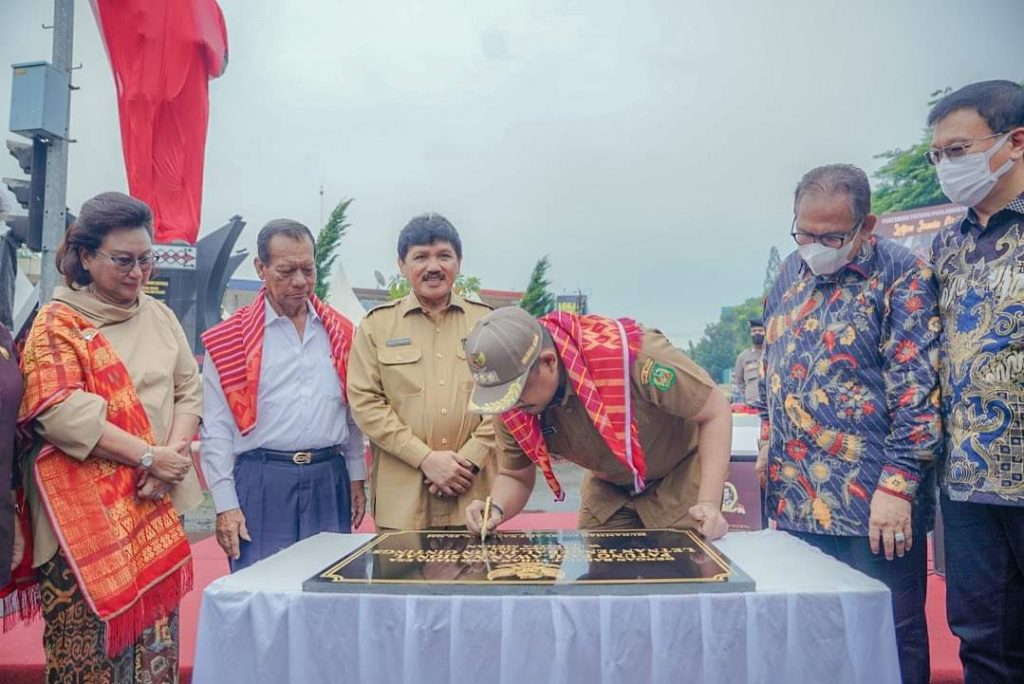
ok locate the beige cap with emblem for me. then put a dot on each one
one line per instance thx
(500, 350)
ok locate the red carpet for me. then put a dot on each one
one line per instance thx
(944, 647)
(21, 653)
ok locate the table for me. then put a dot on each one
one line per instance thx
(812, 619)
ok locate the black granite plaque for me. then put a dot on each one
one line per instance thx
(536, 562)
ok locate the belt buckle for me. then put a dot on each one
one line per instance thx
(302, 457)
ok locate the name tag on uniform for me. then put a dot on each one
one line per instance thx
(398, 342)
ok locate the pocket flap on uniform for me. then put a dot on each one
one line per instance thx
(391, 356)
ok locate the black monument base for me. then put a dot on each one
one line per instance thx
(536, 562)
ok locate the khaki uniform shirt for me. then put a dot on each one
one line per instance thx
(746, 377)
(668, 389)
(151, 344)
(408, 389)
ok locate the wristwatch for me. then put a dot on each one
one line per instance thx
(146, 461)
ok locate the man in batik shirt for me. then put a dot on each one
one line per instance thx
(977, 146)
(851, 425)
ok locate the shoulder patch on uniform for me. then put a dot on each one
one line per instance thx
(483, 304)
(645, 372)
(662, 377)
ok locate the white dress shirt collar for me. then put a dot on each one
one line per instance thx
(271, 316)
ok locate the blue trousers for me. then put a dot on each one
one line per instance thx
(907, 579)
(985, 588)
(285, 502)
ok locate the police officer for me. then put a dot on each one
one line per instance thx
(748, 367)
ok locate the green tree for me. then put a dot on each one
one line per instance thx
(327, 244)
(907, 180)
(398, 286)
(465, 286)
(723, 340)
(772, 271)
(538, 299)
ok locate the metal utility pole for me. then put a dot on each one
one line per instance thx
(55, 199)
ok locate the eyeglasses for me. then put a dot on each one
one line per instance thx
(956, 150)
(125, 264)
(832, 240)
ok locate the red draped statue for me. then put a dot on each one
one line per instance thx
(163, 53)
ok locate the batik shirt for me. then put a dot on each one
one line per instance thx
(980, 272)
(851, 393)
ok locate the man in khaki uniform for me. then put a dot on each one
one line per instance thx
(408, 388)
(746, 375)
(683, 420)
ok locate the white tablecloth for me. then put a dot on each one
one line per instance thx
(812, 619)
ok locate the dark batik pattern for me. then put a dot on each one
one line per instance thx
(73, 639)
(981, 279)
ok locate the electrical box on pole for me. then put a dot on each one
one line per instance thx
(39, 100)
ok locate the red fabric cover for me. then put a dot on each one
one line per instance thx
(163, 53)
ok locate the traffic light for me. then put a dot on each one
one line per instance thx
(29, 193)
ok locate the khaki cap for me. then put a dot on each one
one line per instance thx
(500, 351)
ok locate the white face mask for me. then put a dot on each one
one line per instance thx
(824, 260)
(968, 180)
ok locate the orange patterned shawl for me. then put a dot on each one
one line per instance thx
(236, 348)
(130, 557)
(597, 354)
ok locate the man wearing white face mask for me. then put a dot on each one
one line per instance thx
(978, 147)
(850, 423)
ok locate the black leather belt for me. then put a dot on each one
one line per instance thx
(297, 457)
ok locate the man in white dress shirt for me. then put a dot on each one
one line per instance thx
(280, 451)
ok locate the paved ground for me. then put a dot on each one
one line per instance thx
(199, 522)
(569, 475)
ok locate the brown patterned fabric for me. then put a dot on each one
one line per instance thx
(73, 638)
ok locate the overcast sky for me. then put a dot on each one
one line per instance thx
(649, 148)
